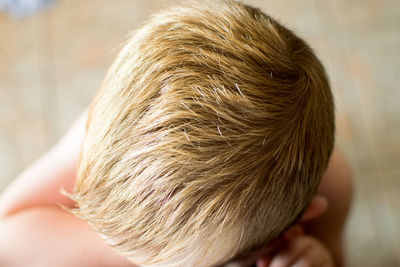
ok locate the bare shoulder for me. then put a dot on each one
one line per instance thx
(46, 236)
(337, 187)
(337, 184)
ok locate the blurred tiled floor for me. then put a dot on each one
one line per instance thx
(52, 63)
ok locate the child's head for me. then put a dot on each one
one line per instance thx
(208, 138)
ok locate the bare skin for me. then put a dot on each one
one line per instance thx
(47, 236)
(35, 231)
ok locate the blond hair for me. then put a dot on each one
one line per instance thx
(208, 137)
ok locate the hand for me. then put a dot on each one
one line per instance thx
(263, 256)
(291, 249)
(301, 251)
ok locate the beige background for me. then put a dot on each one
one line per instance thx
(52, 63)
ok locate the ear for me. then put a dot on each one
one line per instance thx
(317, 206)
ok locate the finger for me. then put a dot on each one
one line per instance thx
(302, 262)
(318, 257)
(284, 259)
(264, 261)
(298, 246)
(262, 256)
